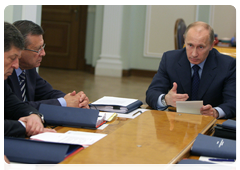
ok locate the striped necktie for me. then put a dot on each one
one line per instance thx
(22, 78)
(195, 82)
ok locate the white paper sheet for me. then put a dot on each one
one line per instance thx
(71, 137)
(108, 100)
(192, 107)
(133, 114)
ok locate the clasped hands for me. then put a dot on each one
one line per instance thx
(172, 96)
(79, 99)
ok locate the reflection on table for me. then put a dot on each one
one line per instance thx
(231, 51)
(154, 137)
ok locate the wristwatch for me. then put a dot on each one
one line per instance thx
(163, 100)
(39, 114)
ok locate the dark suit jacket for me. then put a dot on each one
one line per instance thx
(13, 110)
(217, 86)
(38, 90)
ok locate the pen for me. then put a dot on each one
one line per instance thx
(136, 113)
(222, 160)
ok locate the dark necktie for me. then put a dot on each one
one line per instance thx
(22, 78)
(195, 82)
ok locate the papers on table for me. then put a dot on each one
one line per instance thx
(108, 116)
(192, 107)
(72, 137)
(107, 100)
(133, 114)
(116, 104)
(218, 160)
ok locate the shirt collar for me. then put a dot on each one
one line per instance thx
(19, 71)
(200, 65)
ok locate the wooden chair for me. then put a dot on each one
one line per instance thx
(179, 31)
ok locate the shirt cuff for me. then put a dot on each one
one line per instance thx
(159, 103)
(220, 111)
(22, 123)
(62, 101)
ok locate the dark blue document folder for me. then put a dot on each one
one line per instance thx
(69, 116)
(117, 108)
(214, 147)
(37, 152)
(229, 124)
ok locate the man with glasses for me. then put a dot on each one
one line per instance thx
(26, 82)
(20, 119)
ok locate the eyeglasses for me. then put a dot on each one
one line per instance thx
(38, 50)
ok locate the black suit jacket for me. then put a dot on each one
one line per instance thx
(217, 85)
(13, 110)
(38, 90)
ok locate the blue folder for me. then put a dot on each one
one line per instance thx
(229, 124)
(116, 108)
(37, 152)
(69, 116)
(214, 147)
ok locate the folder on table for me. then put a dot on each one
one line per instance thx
(116, 104)
(226, 130)
(212, 146)
(70, 116)
(37, 152)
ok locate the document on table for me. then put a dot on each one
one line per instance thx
(72, 137)
(217, 160)
(133, 114)
(192, 107)
(108, 101)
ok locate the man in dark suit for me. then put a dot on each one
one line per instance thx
(216, 73)
(20, 119)
(38, 90)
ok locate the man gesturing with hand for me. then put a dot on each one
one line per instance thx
(196, 72)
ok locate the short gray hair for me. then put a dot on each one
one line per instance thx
(204, 25)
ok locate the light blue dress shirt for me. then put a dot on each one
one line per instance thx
(161, 107)
(61, 100)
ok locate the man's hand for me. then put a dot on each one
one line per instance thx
(172, 96)
(208, 110)
(83, 100)
(33, 124)
(49, 130)
(77, 100)
(72, 99)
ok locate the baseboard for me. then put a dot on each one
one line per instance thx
(127, 73)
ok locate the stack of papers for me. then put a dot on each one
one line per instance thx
(116, 104)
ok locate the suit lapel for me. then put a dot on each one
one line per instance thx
(208, 74)
(183, 71)
(15, 84)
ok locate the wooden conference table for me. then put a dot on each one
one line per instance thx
(154, 137)
(231, 51)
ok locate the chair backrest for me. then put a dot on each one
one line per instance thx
(179, 31)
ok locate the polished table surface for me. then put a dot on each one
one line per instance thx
(154, 137)
(231, 51)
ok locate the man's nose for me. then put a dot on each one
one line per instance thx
(42, 52)
(15, 64)
(194, 52)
